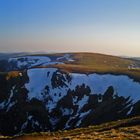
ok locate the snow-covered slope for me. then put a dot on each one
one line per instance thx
(43, 99)
(29, 61)
(26, 62)
(98, 84)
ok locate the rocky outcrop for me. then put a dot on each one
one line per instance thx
(48, 99)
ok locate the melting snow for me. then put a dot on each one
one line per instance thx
(24, 125)
(54, 121)
(82, 116)
(98, 83)
(67, 111)
(10, 105)
(30, 61)
(39, 79)
(67, 57)
(130, 110)
(2, 105)
(82, 102)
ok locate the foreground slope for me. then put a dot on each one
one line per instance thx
(128, 129)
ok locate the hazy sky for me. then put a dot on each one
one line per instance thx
(104, 26)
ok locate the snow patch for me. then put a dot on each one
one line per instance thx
(82, 102)
(66, 111)
(130, 110)
(29, 61)
(67, 57)
(10, 105)
(2, 105)
(82, 116)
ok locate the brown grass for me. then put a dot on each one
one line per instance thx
(94, 63)
(72, 68)
(96, 59)
(12, 74)
(99, 63)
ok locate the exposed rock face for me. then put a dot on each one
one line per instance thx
(48, 99)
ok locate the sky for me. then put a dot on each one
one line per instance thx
(102, 26)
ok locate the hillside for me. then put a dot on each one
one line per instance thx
(100, 63)
(75, 62)
(52, 92)
(128, 129)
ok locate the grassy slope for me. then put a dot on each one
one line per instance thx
(128, 129)
(95, 59)
(99, 63)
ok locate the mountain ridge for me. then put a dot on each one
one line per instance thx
(49, 98)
